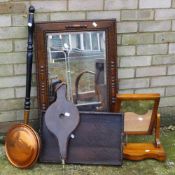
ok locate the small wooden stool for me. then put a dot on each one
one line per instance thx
(135, 124)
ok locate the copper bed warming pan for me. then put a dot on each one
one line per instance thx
(22, 143)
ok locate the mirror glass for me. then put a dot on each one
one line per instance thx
(138, 115)
(79, 59)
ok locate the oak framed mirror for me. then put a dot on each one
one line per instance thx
(82, 54)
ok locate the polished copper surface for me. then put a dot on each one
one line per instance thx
(22, 146)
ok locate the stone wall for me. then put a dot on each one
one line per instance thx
(146, 46)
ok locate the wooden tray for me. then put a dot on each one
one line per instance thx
(98, 140)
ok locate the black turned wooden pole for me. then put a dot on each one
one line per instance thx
(29, 58)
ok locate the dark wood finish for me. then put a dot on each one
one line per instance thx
(97, 140)
(61, 118)
(140, 151)
(29, 63)
(109, 26)
(98, 137)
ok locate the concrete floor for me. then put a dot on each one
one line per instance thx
(146, 167)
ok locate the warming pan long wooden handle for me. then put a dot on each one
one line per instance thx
(22, 144)
(29, 63)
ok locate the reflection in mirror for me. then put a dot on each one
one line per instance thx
(138, 115)
(79, 59)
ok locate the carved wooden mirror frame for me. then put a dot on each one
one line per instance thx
(43, 28)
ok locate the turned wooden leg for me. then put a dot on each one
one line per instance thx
(157, 132)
